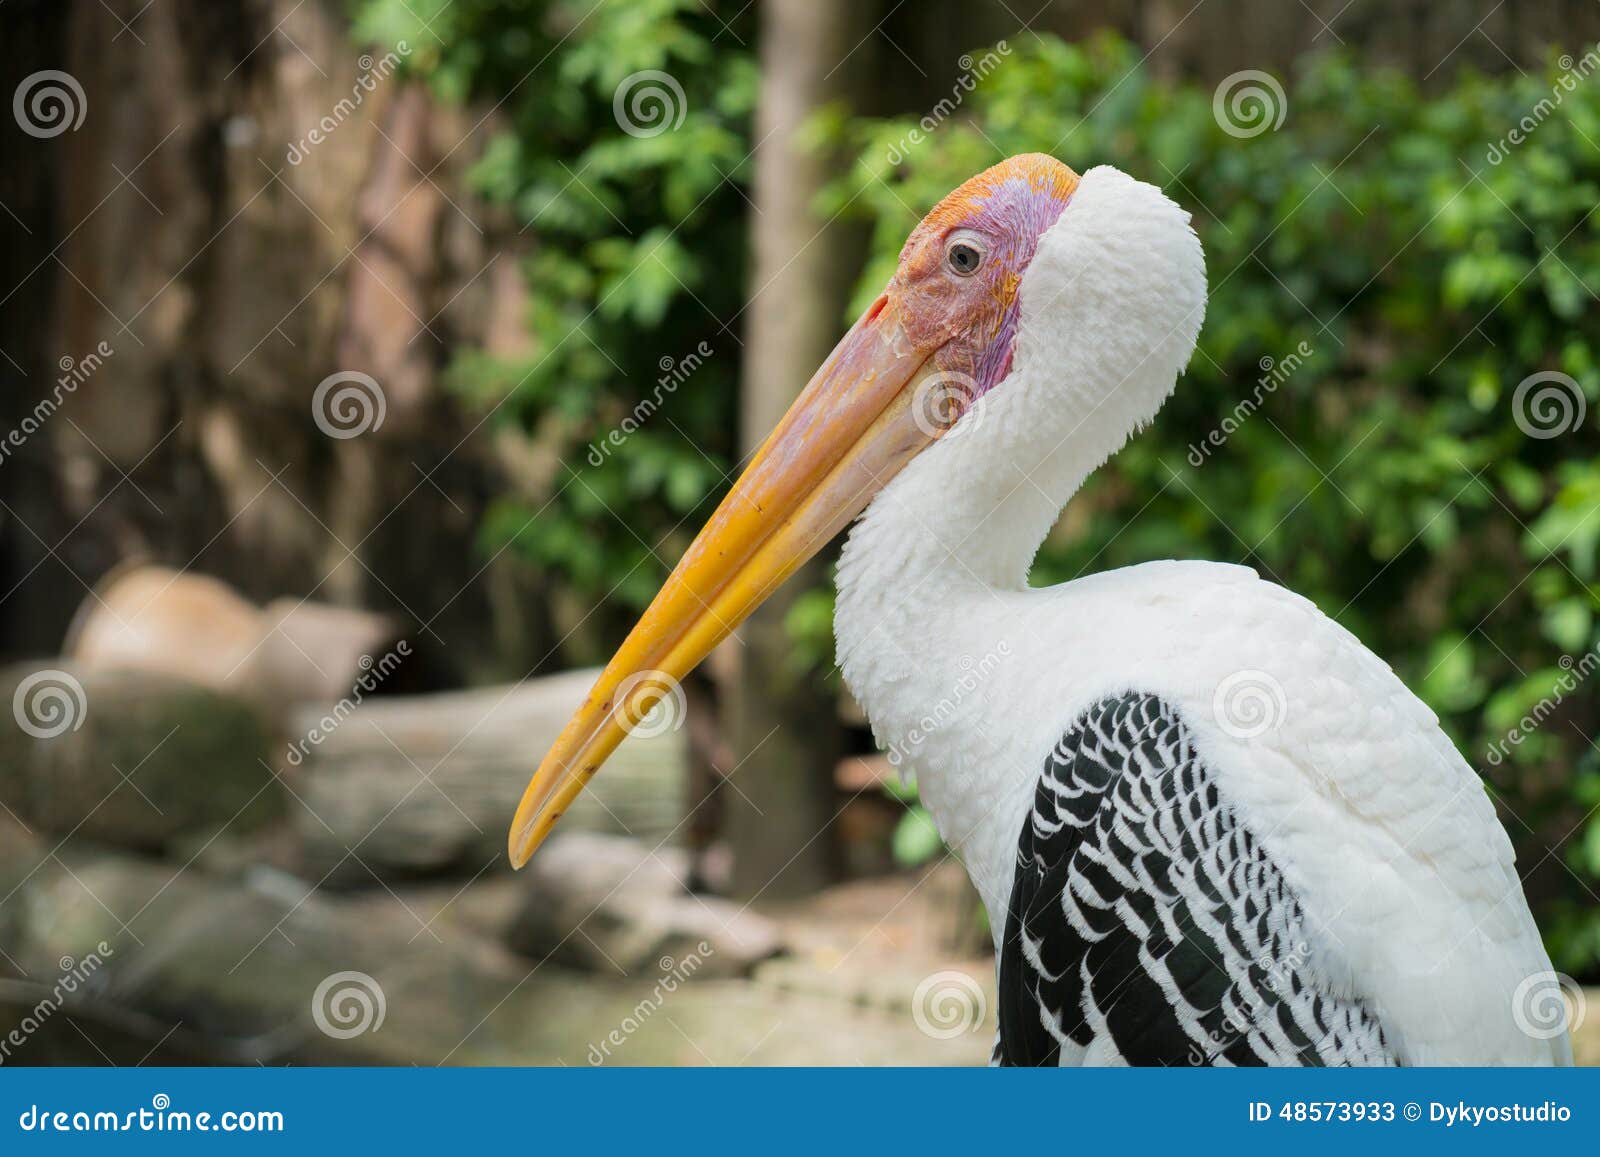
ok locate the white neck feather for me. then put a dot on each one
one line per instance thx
(933, 579)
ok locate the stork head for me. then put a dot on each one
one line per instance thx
(1023, 249)
(954, 296)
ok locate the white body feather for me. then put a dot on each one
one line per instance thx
(1407, 880)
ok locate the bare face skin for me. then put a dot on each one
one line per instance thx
(955, 291)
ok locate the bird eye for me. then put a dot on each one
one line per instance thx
(965, 258)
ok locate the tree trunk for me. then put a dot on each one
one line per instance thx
(786, 736)
(193, 283)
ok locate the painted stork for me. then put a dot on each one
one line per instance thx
(1212, 826)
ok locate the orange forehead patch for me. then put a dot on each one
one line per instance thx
(1039, 172)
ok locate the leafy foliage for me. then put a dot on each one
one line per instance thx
(1384, 474)
(638, 261)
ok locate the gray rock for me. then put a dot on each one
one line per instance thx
(426, 785)
(612, 905)
(131, 758)
(202, 967)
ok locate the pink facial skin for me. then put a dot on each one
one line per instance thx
(968, 320)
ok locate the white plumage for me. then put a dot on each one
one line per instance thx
(1410, 905)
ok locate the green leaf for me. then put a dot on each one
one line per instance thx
(916, 839)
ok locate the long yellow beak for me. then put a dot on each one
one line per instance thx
(852, 429)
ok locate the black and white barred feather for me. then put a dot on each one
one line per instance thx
(1146, 922)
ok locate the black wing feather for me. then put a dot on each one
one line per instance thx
(1144, 910)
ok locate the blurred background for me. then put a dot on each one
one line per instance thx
(369, 363)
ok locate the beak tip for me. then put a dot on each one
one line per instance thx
(522, 840)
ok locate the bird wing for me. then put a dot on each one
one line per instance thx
(1147, 924)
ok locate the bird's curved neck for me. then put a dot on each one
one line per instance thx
(948, 543)
(933, 600)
